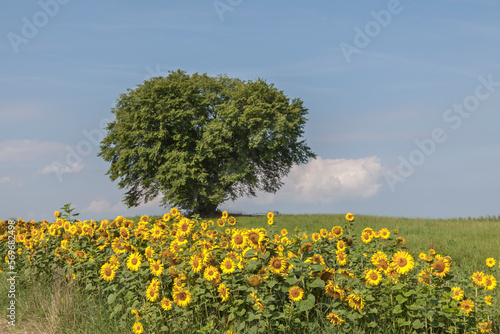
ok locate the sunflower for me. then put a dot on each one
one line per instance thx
(124, 233)
(467, 305)
(149, 252)
(316, 259)
(221, 222)
(384, 233)
(134, 261)
(316, 236)
(254, 280)
(425, 276)
(341, 258)
(136, 313)
(182, 297)
(174, 212)
(490, 282)
(270, 222)
(404, 262)
(295, 293)
(210, 273)
(227, 266)
(347, 274)
(490, 262)
(166, 217)
(442, 266)
(72, 230)
(156, 267)
(185, 227)
(156, 233)
(349, 217)
(326, 274)
(458, 293)
(204, 225)
(337, 231)
(487, 300)
(277, 265)
(378, 257)
(107, 272)
(166, 304)
(335, 319)
(238, 240)
(478, 278)
(223, 292)
(355, 301)
(400, 241)
(341, 246)
(231, 221)
(257, 301)
(323, 232)
(152, 293)
(118, 246)
(485, 327)
(270, 215)
(115, 264)
(137, 328)
(144, 218)
(255, 237)
(196, 263)
(373, 277)
(366, 237)
(334, 291)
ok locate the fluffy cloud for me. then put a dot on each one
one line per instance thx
(4, 179)
(329, 180)
(60, 169)
(103, 206)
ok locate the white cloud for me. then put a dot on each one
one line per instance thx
(60, 169)
(4, 179)
(19, 150)
(330, 180)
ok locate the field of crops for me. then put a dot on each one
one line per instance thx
(284, 273)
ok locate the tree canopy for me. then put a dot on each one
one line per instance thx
(199, 140)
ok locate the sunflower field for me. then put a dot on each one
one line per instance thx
(187, 275)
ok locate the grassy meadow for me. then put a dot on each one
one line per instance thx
(59, 305)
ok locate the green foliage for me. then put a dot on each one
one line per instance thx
(199, 140)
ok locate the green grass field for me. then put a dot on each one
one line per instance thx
(62, 309)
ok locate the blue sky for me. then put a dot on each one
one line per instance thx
(403, 98)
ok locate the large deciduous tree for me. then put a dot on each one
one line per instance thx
(199, 140)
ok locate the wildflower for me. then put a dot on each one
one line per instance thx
(478, 278)
(334, 291)
(149, 252)
(384, 233)
(335, 319)
(238, 240)
(182, 297)
(277, 265)
(373, 277)
(134, 261)
(156, 267)
(107, 272)
(355, 301)
(196, 263)
(137, 328)
(166, 304)
(210, 273)
(404, 262)
(485, 327)
(442, 266)
(458, 293)
(337, 231)
(467, 305)
(223, 292)
(490, 282)
(227, 266)
(152, 293)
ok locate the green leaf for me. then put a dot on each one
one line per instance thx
(373, 324)
(111, 298)
(307, 304)
(417, 324)
(397, 309)
(400, 299)
(317, 283)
